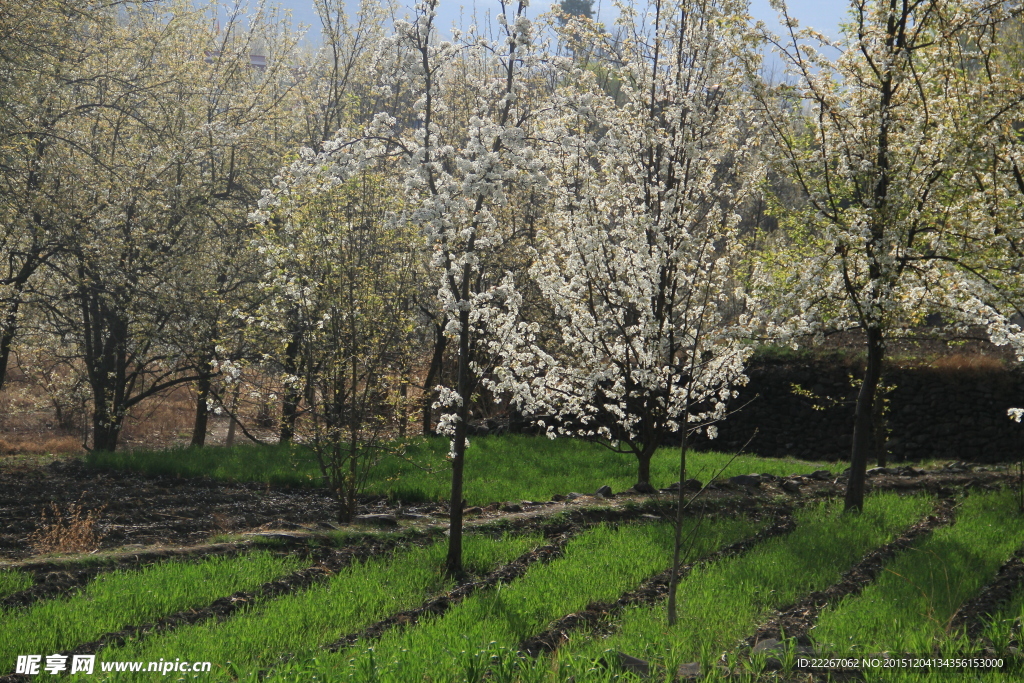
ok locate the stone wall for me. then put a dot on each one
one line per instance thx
(945, 411)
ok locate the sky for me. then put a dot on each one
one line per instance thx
(823, 15)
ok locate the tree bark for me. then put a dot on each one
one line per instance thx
(643, 477)
(436, 361)
(292, 396)
(453, 563)
(202, 410)
(863, 433)
(677, 541)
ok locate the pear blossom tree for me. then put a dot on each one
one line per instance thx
(890, 124)
(637, 262)
(463, 149)
(345, 272)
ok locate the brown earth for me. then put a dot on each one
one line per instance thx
(136, 512)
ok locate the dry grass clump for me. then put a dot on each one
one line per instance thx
(977, 362)
(35, 444)
(71, 531)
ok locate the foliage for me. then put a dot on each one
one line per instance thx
(894, 123)
(338, 282)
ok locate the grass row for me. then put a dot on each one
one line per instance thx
(723, 602)
(512, 467)
(13, 581)
(118, 599)
(597, 566)
(300, 624)
(910, 608)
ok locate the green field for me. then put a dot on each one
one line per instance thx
(907, 608)
(497, 468)
(13, 581)
(115, 600)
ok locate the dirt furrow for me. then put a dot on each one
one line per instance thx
(439, 605)
(974, 613)
(651, 591)
(797, 620)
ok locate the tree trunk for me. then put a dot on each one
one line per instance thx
(643, 477)
(202, 410)
(440, 342)
(453, 563)
(106, 428)
(230, 441)
(677, 541)
(879, 423)
(863, 434)
(292, 396)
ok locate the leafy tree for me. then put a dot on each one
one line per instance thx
(159, 174)
(890, 123)
(344, 269)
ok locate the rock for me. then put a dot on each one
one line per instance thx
(766, 645)
(377, 519)
(689, 671)
(557, 498)
(475, 510)
(693, 485)
(791, 486)
(820, 475)
(745, 480)
(511, 507)
(634, 665)
(643, 488)
(605, 491)
(573, 496)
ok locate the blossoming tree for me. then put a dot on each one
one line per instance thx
(637, 262)
(890, 125)
(461, 149)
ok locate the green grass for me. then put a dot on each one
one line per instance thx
(13, 581)
(497, 468)
(118, 599)
(723, 602)
(597, 566)
(909, 608)
(298, 625)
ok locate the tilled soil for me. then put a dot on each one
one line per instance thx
(145, 511)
